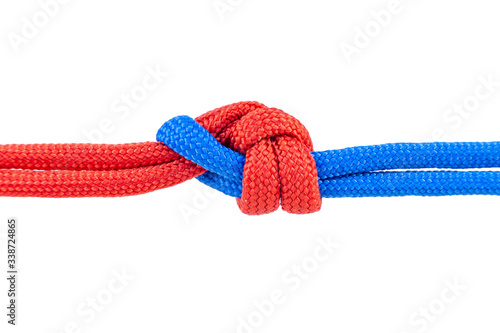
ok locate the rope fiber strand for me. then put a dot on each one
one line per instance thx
(262, 156)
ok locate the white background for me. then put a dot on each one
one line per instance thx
(202, 273)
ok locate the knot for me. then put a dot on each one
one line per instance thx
(275, 149)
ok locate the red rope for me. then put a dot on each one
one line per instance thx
(279, 166)
(90, 170)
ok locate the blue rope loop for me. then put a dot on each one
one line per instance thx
(189, 139)
(367, 171)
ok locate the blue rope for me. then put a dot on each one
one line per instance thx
(368, 171)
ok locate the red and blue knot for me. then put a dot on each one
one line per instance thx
(262, 156)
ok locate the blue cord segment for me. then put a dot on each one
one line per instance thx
(404, 156)
(224, 185)
(189, 139)
(368, 171)
(418, 183)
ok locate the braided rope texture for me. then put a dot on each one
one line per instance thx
(90, 170)
(260, 155)
(279, 167)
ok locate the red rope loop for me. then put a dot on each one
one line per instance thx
(279, 166)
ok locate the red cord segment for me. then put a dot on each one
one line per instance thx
(91, 170)
(84, 156)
